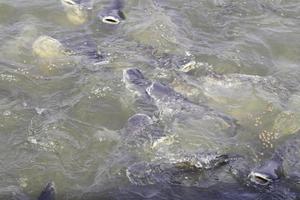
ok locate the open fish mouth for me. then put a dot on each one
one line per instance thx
(110, 20)
(260, 178)
(113, 17)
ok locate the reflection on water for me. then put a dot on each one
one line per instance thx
(62, 117)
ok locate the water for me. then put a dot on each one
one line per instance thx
(60, 120)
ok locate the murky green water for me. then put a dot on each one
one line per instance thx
(61, 120)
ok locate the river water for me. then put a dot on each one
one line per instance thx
(61, 120)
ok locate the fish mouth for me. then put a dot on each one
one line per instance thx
(259, 178)
(112, 16)
(110, 20)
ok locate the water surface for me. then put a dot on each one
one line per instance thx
(61, 121)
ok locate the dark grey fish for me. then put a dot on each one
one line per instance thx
(188, 169)
(269, 179)
(224, 191)
(48, 192)
(140, 131)
(220, 191)
(284, 164)
(113, 13)
(136, 83)
(137, 139)
(268, 172)
(81, 43)
(289, 153)
(171, 104)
